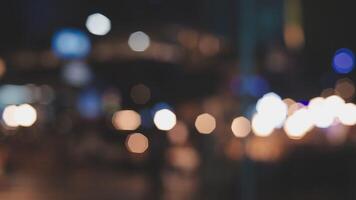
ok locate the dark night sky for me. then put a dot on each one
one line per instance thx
(30, 24)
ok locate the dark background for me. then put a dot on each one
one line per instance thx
(308, 171)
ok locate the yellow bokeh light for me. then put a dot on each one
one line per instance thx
(137, 143)
(289, 102)
(2, 67)
(233, 149)
(178, 135)
(241, 127)
(127, 120)
(263, 149)
(209, 45)
(293, 36)
(188, 38)
(184, 158)
(205, 123)
(165, 119)
(293, 108)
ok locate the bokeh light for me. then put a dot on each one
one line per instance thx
(140, 94)
(277, 60)
(233, 149)
(111, 100)
(241, 127)
(26, 115)
(137, 143)
(160, 106)
(327, 92)
(322, 118)
(289, 102)
(183, 158)
(76, 74)
(263, 149)
(298, 124)
(261, 125)
(347, 114)
(209, 45)
(23, 115)
(2, 67)
(47, 94)
(293, 36)
(345, 88)
(334, 104)
(178, 135)
(9, 116)
(89, 104)
(205, 123)
(252, 85)
(146, 118)
(127, 120)
(15, 94)
(273, 109)
(294, 107)
(188, 38)
(71, 43)
(344, 61)
(337, 134)
(98, 24)
(165, 119)
(139, 41)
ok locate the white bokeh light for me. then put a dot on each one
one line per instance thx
(165, 119)
(347, 114)
(9, 116)
(24, 115)
(98, 24)
(261, 125)
(334, 104)
(139, 41)
(298, 124)
(273, 108)
(322, 116)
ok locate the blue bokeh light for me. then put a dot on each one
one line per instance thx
(14, 94)
(343, 61)
(77, 74)
(160, 106)
(146, 118)
(89, 104)
(304, 102)
(251, 85)
(71, 43)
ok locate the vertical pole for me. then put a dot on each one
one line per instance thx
(247, 39)
(246, 54)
